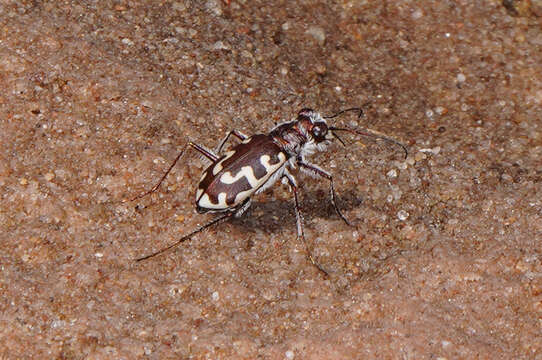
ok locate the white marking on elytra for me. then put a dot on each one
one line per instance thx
(222, 199)
(264, 160)
(218, 167)
(203, 176)
(246, 171)
(277, 175)
(255, 184)
(274, 172)
(243, 195)
(199, 192)
(205, 202)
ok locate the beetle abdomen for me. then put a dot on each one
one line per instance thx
(239, 173)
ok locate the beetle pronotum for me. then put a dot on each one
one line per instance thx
(255, 164)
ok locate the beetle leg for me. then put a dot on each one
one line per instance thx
(315, 170)
(190, 235)
(299, 222)
(243, 207)
(235, 133)
(208, 154)
(203, 151)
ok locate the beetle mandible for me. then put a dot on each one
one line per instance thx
(255, 164)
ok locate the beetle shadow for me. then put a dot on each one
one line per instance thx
(275, 215)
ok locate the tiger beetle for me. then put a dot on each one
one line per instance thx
(257, 162)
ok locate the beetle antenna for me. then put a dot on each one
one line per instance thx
(360, 110)
(188, 236)
(373, 134)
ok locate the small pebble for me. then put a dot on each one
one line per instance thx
(215, 296)
(420, 156)
(392, 173)
(318, 33)
(434, 150)
(220, 45)
(403, 215)
(417, 14)
(289, 354)
(440, 110)
(214, 7)
(127, 41)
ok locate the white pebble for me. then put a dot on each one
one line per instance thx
(318, 33)
(417, 14)
(127, 41)
(392, 173)
(402, 215)
(439, 110)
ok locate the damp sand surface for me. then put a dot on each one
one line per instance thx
(443, 261)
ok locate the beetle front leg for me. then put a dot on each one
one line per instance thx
(316, 171)
(299, 223)
(233, 132)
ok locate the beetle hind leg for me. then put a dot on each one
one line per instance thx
(188, 236)
(208, 154)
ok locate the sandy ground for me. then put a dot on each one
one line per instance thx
(444, 261)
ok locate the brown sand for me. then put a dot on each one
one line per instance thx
(445, 259)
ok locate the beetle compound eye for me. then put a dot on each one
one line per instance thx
(319, 131)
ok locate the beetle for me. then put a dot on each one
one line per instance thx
(257, 162)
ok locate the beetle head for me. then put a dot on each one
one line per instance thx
(314, 125)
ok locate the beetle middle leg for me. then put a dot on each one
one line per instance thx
(315, 170)
(233, 132)
(208, 154)
(299, 222)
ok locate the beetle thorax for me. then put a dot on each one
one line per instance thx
(304, 135)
